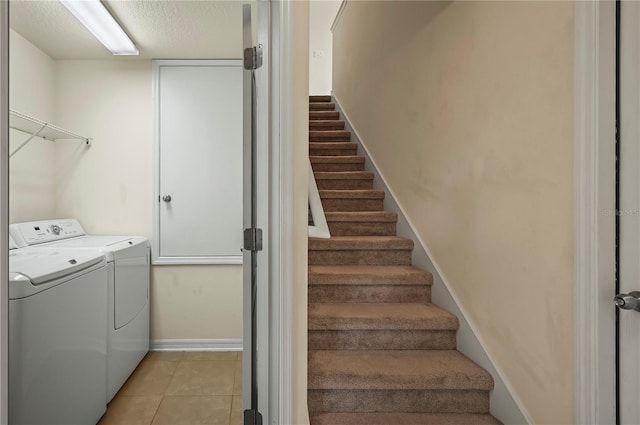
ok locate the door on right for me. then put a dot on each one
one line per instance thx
(629, 214)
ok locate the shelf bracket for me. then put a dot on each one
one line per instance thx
(27, 141)
(36, 128)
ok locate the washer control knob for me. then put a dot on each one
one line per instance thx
(55, 229)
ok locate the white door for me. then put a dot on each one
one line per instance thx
(629, 214)
(199, 153)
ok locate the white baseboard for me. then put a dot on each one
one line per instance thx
(195, 345)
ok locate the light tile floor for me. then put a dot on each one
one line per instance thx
(180, 388)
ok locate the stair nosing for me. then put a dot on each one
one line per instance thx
(395, 370)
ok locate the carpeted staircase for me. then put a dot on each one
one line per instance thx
(379, 352)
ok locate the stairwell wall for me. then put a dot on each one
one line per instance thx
(467, 110)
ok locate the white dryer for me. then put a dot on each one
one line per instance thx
(128, 287)
(57, 336)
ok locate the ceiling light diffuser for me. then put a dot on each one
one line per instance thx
(97, 19)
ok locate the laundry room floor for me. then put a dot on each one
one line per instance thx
(180, 388)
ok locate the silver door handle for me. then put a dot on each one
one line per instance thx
(166, 198)
(630, 301)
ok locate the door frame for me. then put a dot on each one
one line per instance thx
(156, 258)
(276, 203)
(594, 212)
(4, 212)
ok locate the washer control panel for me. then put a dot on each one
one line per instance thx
(37, 232)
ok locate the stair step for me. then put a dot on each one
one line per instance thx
(320, 98)
(395, 370)
(369, 293)
(338, 180)
(383, 326)
(324, 115)
(402, 418)
(369, 275)
(326, 125)
(430, 381)
(362, 223)
(375, 316)
(369, 284)
(374, 250)
(337, 163)
(416, 401)
(322, 106)
(352, 200)
(332, 148)
(329, 136)
(374, 243)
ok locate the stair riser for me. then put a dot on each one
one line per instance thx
(342, 228)
(329, 139)
(346, 184)
(322, 106)
(342, 151)
(422, 401)
(324, 115)
(320, 98)
(334, 204)
(372, 257)
(369, 294)
(383, 339)
(319, 125)
(337, 166)
(341, 418)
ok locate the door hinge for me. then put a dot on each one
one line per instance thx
(253, 239)
(252, 417)
(253, 57)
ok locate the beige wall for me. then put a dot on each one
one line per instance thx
(300, 87)
(467, 108)
(31, 92)
(108, 187)
(196, 302)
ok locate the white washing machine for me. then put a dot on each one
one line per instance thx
(128, 287)
(57, 336)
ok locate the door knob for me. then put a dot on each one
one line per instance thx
(166, 198)
(630, 301)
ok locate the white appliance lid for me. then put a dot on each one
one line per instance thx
(42, 266)
(12, 244)
(91, 241)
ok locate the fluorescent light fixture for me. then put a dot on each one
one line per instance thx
(101, 24)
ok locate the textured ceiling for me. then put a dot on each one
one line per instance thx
(161, 29)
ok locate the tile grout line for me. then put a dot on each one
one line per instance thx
(155, 414)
